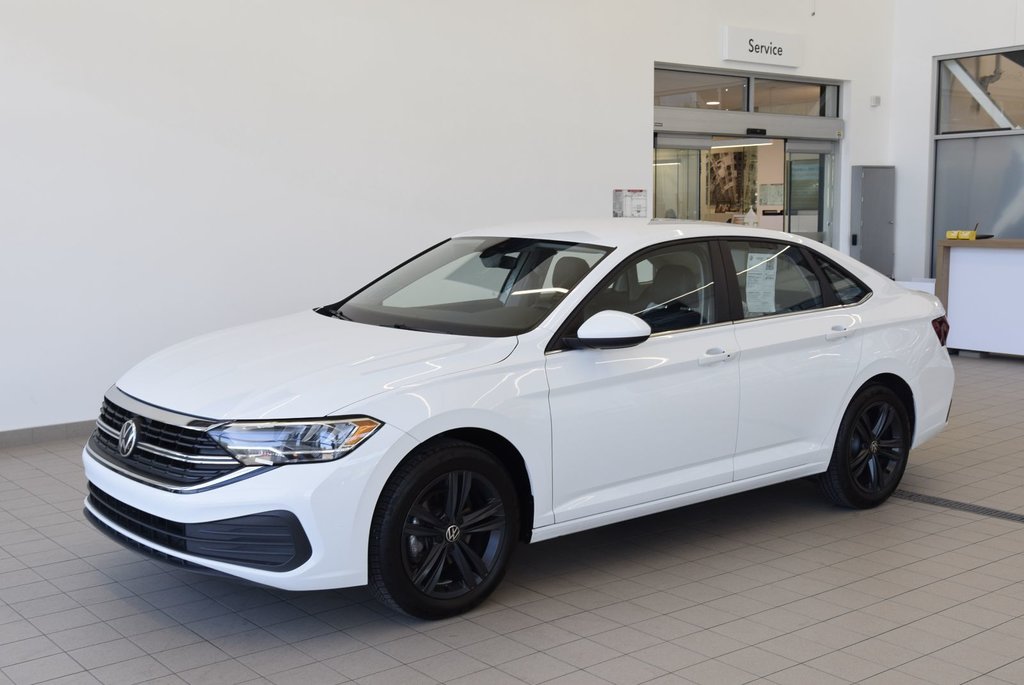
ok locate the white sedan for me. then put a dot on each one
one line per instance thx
(517, 384)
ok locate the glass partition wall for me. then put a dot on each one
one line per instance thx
(979, 145)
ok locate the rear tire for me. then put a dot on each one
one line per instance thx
(443, 531)
(871, 450)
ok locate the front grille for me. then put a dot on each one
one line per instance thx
(270, 540)
(170, 455)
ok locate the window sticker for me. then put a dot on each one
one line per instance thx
(761, 272)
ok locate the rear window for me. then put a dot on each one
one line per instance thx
(848, 290)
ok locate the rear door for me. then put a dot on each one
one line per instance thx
(799, 353)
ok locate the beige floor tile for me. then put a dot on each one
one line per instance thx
(496, 650)
(937, 671)
(448, 666)
(625, 639)
(669, 656)
(757, 661)
(845, 665)
(536, 668)
(582, 653)
(626, 670)
(586, 624)
(803, 674)
(882, 651)
(709, 644)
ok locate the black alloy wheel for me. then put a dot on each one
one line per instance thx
(871, 450)
(443, 532)
(454, 532)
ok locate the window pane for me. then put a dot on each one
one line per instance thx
(795, 97)
(978, 183)
(702, 91)
(476, 286)
(670, 289)
(848, 291)
(676, 184)
(982, 93)
(774, 278)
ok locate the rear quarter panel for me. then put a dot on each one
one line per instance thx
(898, 339)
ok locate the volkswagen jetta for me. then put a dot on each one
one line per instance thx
(517, 384)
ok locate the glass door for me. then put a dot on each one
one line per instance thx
(786, 185)
(810, 170)
(675, 184)
(677, 176)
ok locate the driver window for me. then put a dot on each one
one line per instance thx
(670, 289)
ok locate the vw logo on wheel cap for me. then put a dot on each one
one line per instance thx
(452, 534)
(127, 438)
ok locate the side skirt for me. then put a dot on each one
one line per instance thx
(596, 520)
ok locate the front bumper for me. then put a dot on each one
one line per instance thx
(272, 540)
(319, 516)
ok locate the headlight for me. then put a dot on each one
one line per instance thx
(270, 443)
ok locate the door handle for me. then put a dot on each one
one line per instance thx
(838, 332)
(713, 356)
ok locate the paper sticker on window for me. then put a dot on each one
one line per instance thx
(761, 270)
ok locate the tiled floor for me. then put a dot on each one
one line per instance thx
(773, 586)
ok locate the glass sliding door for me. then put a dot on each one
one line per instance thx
(789, 184)
(677, 176)
(810, 169)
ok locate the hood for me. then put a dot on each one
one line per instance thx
(300, 366)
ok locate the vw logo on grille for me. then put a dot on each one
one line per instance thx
(452, 534)
(127, 438)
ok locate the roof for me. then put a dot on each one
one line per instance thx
(625, 233)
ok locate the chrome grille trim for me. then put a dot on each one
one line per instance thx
(174, 451)
(134, 406)
(244, 472)
(170, 454)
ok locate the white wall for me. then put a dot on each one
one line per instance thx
(925, 30)
(176, 166)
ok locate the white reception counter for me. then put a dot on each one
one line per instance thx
(981, 283)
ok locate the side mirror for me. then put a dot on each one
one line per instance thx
(609, 329)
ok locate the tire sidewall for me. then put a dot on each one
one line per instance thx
(839, 467)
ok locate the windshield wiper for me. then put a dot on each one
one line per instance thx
(404, 327)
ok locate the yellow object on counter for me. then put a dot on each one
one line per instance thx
(961, 235)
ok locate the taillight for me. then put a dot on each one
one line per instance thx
(941, 326)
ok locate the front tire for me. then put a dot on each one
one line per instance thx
(443, 531)
(871, 450)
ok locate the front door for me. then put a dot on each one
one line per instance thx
(655, 420)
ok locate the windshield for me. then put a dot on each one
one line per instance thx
(474, 286)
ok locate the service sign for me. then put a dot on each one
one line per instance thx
(762, 47)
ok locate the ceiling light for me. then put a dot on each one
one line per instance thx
(712, 102)
(740, 142)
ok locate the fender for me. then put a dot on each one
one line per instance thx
(510, 401)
